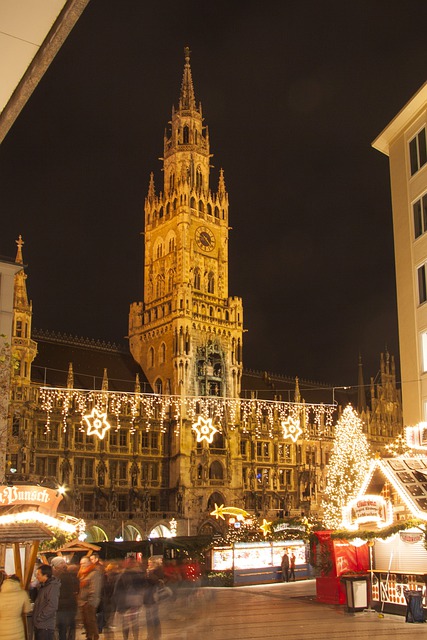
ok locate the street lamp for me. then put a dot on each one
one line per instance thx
(333, 392)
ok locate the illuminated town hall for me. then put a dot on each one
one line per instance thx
(148, 442)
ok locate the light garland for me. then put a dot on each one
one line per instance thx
(37, 516)
(262, 418)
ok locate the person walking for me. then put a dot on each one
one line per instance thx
(46, 604)
(89, 596)
(67, 603)
(155, 577)
(285, 567)
(292, 567)
(14, 605)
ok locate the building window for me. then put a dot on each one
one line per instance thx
(422, 288)
(144, 440)
(211, 282)
(418, 151)
(197, 278)
(424, 351)
(123, 438)
(420, 216)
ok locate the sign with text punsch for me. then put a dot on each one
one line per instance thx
(43, 499)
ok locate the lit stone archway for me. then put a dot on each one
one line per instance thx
(128, 532)
(96, 534)
(160, 531)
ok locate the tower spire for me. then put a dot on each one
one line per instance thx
(18, 258)
(187, 100)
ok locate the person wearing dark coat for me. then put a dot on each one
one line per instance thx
(67, 603)
(46, 604)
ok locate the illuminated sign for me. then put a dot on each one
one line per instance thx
(97, 423)
(367, 509)
(416, 437)
(204, 429)
(46, 500)
(221, 511)
(291, 429)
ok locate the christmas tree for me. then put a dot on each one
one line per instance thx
(348, 466)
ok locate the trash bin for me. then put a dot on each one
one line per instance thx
(414, 602)
(356, 590)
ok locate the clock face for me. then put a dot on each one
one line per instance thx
(205, 238)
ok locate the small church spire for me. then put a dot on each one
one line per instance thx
(20, 243)
(187, 100)
(70, 376)
(361, 394)
(151, 188)
(105, 381)
(221, 184)
(297, 393)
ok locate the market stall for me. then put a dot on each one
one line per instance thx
(258, 562)
(28, 516)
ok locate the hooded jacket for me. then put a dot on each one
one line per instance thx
(14, 601)
(44, 612)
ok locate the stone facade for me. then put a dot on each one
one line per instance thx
(151, 472)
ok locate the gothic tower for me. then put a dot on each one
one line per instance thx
(24, 349)
(187, 334)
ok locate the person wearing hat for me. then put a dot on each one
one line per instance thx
(67, 603)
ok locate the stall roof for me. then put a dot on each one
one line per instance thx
(23, 532)
(77, 546)
(408, 476)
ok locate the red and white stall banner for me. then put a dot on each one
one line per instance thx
(43, 499)
(367, 509)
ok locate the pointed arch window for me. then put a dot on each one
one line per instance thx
(201, 207)
(199, 179)
(171, 182)
(170, 281)
(211, 282)
(159, 250)
(185, 135)
(158, 386)
(216, 471)
(193, 203)
(160, 286)
(171, 245)
(162, 353)
(209, 209)
(197, 278)
(216, 212)
(151, 357)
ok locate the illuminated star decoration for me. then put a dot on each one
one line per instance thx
(265, 527)
(291, 429)
(204, 429)
(221, 511)
(97, 424)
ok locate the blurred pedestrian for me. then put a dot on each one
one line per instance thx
(155, 577)
(14, 605)
(285, 567)
(46, 604)
(129, 597)
(67, 603)
(292, 567)
(89, 596)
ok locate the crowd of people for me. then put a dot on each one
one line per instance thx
(103, 597)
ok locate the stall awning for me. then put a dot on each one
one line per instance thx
(23, 532)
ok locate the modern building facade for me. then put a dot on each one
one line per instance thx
(404, 142)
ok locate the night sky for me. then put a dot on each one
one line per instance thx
(293, 94)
